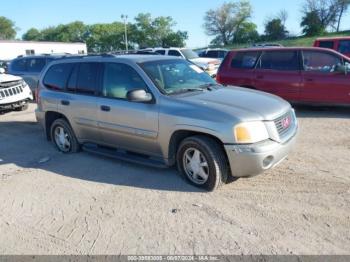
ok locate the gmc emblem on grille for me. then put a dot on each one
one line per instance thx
(286, 122)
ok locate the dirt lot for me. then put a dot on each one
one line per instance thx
(79, 204)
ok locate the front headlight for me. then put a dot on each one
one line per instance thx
(250, 132)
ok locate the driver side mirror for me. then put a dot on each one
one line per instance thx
(2, 70)
(139, 96)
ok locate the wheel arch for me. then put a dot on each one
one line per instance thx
(50, 117)
(179, 135)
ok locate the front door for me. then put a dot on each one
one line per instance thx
(123, 124)
(278, 72)
(321, 81)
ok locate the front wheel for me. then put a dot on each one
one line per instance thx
(201, 160)
(63, 137)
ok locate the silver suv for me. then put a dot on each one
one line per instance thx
(161, 111)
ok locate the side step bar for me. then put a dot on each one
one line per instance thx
(124, 155)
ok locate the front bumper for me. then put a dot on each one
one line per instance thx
(14, 105)
(251, 160)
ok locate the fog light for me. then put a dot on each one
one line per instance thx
(267, 162)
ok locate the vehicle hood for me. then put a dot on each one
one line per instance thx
(205, 61)
(241, 103)
(9, 78)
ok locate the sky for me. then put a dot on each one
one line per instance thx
(187, 13)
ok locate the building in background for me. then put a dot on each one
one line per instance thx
(11, 49)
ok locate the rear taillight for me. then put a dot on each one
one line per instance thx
(37, 93)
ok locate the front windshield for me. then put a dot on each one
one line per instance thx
(174, 76)
(189, 54)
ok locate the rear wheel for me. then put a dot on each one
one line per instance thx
(201, 160)
(63, 137)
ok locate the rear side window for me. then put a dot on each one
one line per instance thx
(87, 78)
(280, 60)
(245, 60)
(174, 53)
(19, 65)
(326, 44)
(35, 64)
(57, 76)
(161, 52)
(214, 54)
(344, 46)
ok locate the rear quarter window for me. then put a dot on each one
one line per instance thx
(57, 75)
(245, 60)
(326, 44)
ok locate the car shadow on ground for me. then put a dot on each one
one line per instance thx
(24, 145)
(304, 111)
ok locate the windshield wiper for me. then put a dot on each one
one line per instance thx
(208, 86)
(185, 90)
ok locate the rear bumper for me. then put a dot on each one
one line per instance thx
(40, 116)
(251, 160)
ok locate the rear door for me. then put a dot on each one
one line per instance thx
(278, 72)
(321, 82)
(123, 124)
(79, 102)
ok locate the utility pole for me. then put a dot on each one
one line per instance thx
(125, 18)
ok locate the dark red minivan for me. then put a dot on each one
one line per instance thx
(307, 75)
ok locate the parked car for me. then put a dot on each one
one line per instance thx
(307, 75)
(14, 93)
(209, 65)
(214, 53)
(30, 67)
(340, 44)
(160, 111)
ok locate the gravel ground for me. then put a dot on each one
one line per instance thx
(53, 203)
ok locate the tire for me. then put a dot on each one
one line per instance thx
(67, 135)
(212, 162)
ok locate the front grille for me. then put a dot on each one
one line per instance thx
(10, 91)
(284, 123)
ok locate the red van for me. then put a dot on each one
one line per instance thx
(307, 75)
(340, 44)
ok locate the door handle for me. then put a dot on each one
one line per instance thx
(260, 77)
(105, 108)
(309, 80)
(65, 102)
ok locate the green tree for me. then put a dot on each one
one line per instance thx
(223, 22)
(275, 30)
(151, 32)
(246, 33)
(7, 28)
(106, 37)
(311, 24)
(32, 34)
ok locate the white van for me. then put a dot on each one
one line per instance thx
(14, 92)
